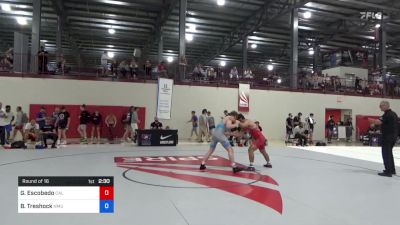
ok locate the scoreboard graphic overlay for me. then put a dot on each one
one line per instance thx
(65, 194)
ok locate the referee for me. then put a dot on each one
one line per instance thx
(389, 128)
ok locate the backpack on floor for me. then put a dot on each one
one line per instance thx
(18, 144)
(320, 143)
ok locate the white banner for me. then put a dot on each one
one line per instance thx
(164, 98)
(244, 98)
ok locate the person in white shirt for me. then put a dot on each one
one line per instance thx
(104, 60)
(310, 126)
(3, 123)
(32, 131)
(248, 74)
(20, 120)
(203, 125)
(300, 134)
(234, 73)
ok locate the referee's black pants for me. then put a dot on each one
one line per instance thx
(387, 155)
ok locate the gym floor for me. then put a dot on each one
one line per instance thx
(306, 186)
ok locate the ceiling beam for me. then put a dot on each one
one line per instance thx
(58, 6)
(162, 19)
(265, 15)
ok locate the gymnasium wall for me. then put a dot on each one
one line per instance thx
(269, 107)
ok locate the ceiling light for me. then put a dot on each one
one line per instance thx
(220, 2)
(309, 4)
(112, 21)
(21, 20)
(279, 81)
(189, 37)
(191, 27)
(270, 67)
(110, 46)
(378, 15)
(114, 2)
(111, 31)
(311, 52)
(253, 45)
(44, 41)
(377, 25)
(222, 63)
(110, 54)
(307, 15)
(170, 59)
(270, 60)
(6, 7)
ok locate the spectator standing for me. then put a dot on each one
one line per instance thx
(203, 127)
(162, 69)
(96, 121)
(330, 125)
(289, 126)
(55, 117)
(297, 119)
(211, 125)
(349, 129)
(84, 119)
(156, 125)
(135, 123)
(132, 120)
(111, 123)
(133, 67)
(49, 132)
(41, 116)
(43, 56)
(9, 120)
(310, 127)
(123, 68)
(3, 123)
(389, 129)
(114, 68)
(128, 128)
(357, 85)
(147, 68)
(20, 120)
(194, 120)
(63, 125)
(104, 61)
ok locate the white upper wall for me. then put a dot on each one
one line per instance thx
(269, 107)
(341, 72)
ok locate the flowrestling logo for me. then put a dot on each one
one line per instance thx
(217, 176)
(146, 139)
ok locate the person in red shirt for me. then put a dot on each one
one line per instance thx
(258, 140)
(162, 69)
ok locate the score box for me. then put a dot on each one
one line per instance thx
(65, 194)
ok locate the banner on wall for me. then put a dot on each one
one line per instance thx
(164, 98)
(244, 97)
